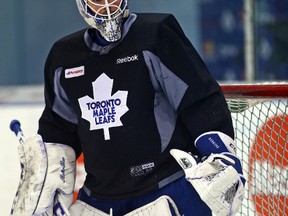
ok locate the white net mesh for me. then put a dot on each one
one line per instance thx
(261, 134)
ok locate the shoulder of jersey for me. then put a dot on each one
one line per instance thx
(154, 18)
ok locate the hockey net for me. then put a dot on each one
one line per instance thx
(260, 118)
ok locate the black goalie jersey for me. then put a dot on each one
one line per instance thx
(125, 105)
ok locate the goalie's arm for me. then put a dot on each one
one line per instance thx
(58, 122)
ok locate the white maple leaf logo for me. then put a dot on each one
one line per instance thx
(104, 110)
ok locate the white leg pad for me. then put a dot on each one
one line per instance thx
(159, 207)
(80, 208)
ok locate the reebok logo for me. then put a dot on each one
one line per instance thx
(74, 72)
(127, 59)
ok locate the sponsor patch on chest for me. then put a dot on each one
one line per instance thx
(74, 72)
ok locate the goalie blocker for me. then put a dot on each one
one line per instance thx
(47, 178)
(219, 179)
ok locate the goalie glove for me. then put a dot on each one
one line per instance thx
(216, 142)
(218, 180)
(47, 178)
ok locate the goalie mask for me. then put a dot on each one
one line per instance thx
(105, 15)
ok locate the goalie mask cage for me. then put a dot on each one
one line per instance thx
(260, 119)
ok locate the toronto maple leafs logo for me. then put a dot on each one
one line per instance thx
(104, 110)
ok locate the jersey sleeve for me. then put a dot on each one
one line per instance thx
(200, 101)
(57, 123)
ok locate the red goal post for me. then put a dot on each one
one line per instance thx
(256, 90)
(260, 119)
